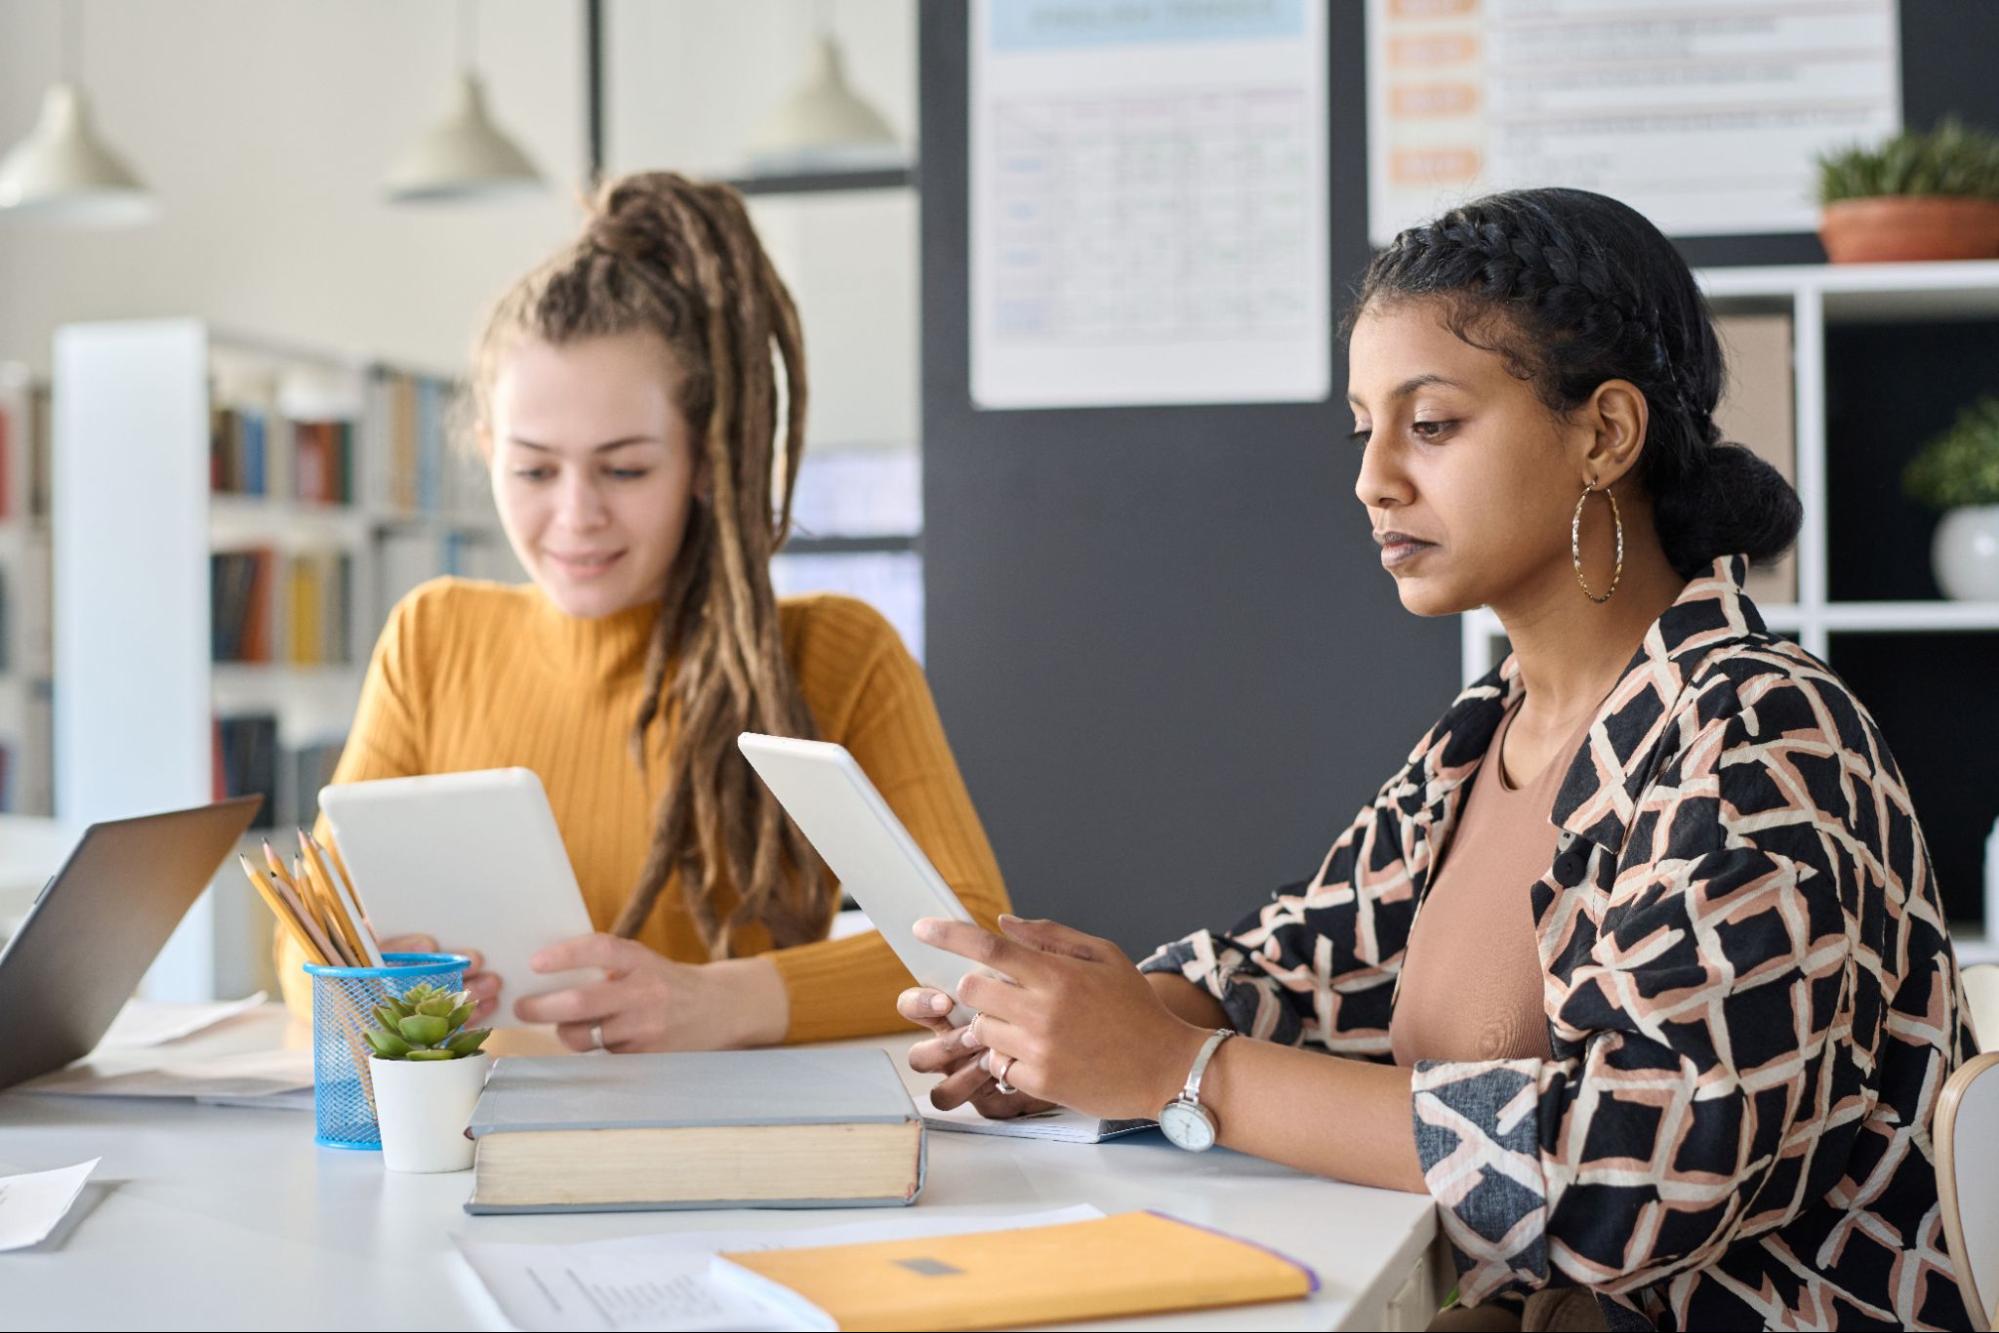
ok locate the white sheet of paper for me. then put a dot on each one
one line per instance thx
(662, 1281)
(32, 1204)
(249, 1074)
(1057, 1126)
(292, 1099)
(152, 1022)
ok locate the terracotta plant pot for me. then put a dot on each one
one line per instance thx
(1899, 228)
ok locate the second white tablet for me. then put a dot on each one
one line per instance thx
(822, 787)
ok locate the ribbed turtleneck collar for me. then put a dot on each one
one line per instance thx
(604, 648)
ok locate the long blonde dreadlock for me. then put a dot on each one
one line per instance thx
(679, 258)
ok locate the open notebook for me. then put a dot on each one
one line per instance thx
(1061, 1126)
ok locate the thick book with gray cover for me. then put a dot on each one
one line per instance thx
(709, 1129)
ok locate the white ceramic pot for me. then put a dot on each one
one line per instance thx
(1965, 554)
(423, 1107)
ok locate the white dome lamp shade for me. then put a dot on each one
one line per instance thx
(464, 157)
(62, 172)
(823, 123)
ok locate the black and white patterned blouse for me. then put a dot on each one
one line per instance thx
(1752, 1000)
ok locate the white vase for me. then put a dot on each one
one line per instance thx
(423, 1107)
(1965, 554)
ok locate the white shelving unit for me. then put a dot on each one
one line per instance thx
(134, 522)
(24, 608)
(1817, 297)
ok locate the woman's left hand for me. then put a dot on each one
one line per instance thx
(1071, 1021)
(650, 1003)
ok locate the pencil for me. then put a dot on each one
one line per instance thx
(277, 866)
(286, 921)
(295, 899)
(344, 912)
(350, 901)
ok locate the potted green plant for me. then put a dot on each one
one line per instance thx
(1918, 196)
(1958, 473)
(427, 1072)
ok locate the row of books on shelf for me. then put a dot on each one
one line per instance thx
(252, 451)
(27, 742)
(267, 606)
(24, 445)
(25, 610)
(250, 761)
(411, 556)
(420, 471)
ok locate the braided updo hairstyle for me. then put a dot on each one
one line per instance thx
(1571, 289)
(677, 258)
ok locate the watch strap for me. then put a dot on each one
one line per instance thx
(1192, 1091)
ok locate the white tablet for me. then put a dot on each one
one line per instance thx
(473, 860)
(879, 864)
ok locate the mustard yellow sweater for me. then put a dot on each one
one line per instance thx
(471, 675)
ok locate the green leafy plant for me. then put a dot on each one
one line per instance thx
(1961, 466)
(1949, 160)
(425, 1022)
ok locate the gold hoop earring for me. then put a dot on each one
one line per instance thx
(1576, 543)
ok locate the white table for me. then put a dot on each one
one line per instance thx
(210, 1217)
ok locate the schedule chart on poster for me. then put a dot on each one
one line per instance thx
(1704, 115)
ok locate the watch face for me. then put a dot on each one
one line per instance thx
(1188, 1127)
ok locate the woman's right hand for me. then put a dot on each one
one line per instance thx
(953, 1053)
(483, 986)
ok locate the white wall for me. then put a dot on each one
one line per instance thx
(264, 127)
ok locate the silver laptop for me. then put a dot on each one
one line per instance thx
(97, 926)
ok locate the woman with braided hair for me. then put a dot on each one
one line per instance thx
(642, 453)
(1638, 965)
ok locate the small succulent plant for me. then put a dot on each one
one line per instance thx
(424, 1023)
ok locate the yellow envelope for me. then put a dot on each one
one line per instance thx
(1126, 1264)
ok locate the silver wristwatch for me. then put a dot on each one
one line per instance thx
(1185, 1121)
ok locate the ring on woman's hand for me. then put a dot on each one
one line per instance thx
(596, 1036)
(972, 1029)
(999, 1078)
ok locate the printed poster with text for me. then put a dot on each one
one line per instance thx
(1704, 115)
(1148, 202)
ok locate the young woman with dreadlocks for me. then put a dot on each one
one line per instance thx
(642, 453)
(1638, 965)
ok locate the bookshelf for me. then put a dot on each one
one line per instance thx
(26, 717)
(1882, 356)
(231, 520)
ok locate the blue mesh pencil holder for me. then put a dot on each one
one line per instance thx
(343, 1094)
